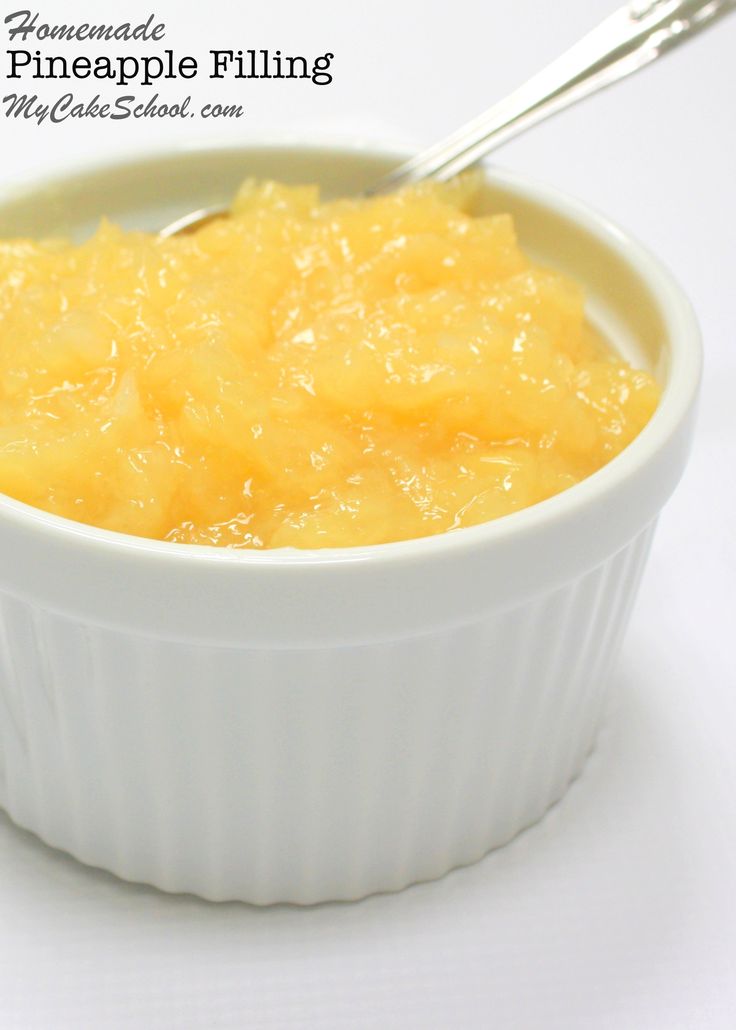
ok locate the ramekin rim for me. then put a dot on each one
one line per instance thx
(677, 397)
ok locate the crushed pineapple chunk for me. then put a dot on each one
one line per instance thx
(303, 374)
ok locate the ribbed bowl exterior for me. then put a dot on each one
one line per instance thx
(307, 775)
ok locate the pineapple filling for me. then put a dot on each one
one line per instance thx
(303, 374)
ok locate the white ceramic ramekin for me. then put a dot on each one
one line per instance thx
(305, 726)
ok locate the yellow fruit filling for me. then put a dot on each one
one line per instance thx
(303, 374)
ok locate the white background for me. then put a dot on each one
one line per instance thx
(619, 909)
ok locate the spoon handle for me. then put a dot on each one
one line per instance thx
(629, 39)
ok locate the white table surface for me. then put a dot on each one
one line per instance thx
(618, 910)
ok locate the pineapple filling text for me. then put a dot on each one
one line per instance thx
(303, 374)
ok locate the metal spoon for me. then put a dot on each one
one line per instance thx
(632, 37)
